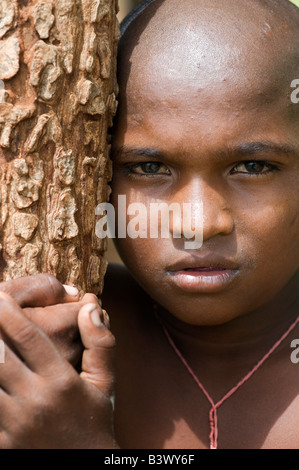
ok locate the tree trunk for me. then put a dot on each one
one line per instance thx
(57, 99)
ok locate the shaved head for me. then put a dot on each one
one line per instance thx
(252, 45)
(161, 18)
(284, 5)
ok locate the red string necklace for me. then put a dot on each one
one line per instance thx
(214, 406)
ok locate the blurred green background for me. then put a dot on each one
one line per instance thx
(127, 5)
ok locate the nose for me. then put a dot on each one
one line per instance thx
(216, 215)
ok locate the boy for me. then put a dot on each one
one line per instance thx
(202, 336)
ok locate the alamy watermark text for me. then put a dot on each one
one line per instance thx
(154, 220)
(295, 93)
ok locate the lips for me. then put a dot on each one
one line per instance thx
(203, 275)
(210, 269)
(208, 262)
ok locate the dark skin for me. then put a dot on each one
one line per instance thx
(55, 389)
(196, 124)
(42, 297)
(212, 110)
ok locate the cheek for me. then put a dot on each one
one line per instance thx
(143, 259)
(134, 251)
(139, 254)
(137, 248)
(271, 240)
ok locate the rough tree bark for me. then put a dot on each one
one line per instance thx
(58, 97)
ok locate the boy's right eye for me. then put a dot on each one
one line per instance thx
(149, 168)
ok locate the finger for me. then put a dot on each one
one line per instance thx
(59, 317)
(5, 407)
(60, 323)
(30, 342)
(40, 290)
(99, 343)
(13, 373)
(91, 298)
(56, 320)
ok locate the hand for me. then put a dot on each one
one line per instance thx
(40, 290)
(53, 307)
(44, 402)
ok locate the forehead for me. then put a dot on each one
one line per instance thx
(210, 73)
(174, 108)
(213, 57)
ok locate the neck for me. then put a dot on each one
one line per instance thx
(253, 331)
(221, 355)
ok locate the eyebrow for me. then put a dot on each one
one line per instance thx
(245, 149)
(253, 148)
(138, 151)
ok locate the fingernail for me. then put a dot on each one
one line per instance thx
(105, 318)
(95, 316)
(112, 400)
(71, 290)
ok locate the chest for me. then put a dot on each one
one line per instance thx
(158, 405)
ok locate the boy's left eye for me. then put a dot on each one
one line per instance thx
(150, 168)
(255, 167)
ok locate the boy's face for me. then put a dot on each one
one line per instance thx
(228, 136)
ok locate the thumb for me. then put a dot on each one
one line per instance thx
(99, 352)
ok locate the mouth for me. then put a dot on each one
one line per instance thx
(203, 276)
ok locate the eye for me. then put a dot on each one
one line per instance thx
(149, 168)
(255, 167)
